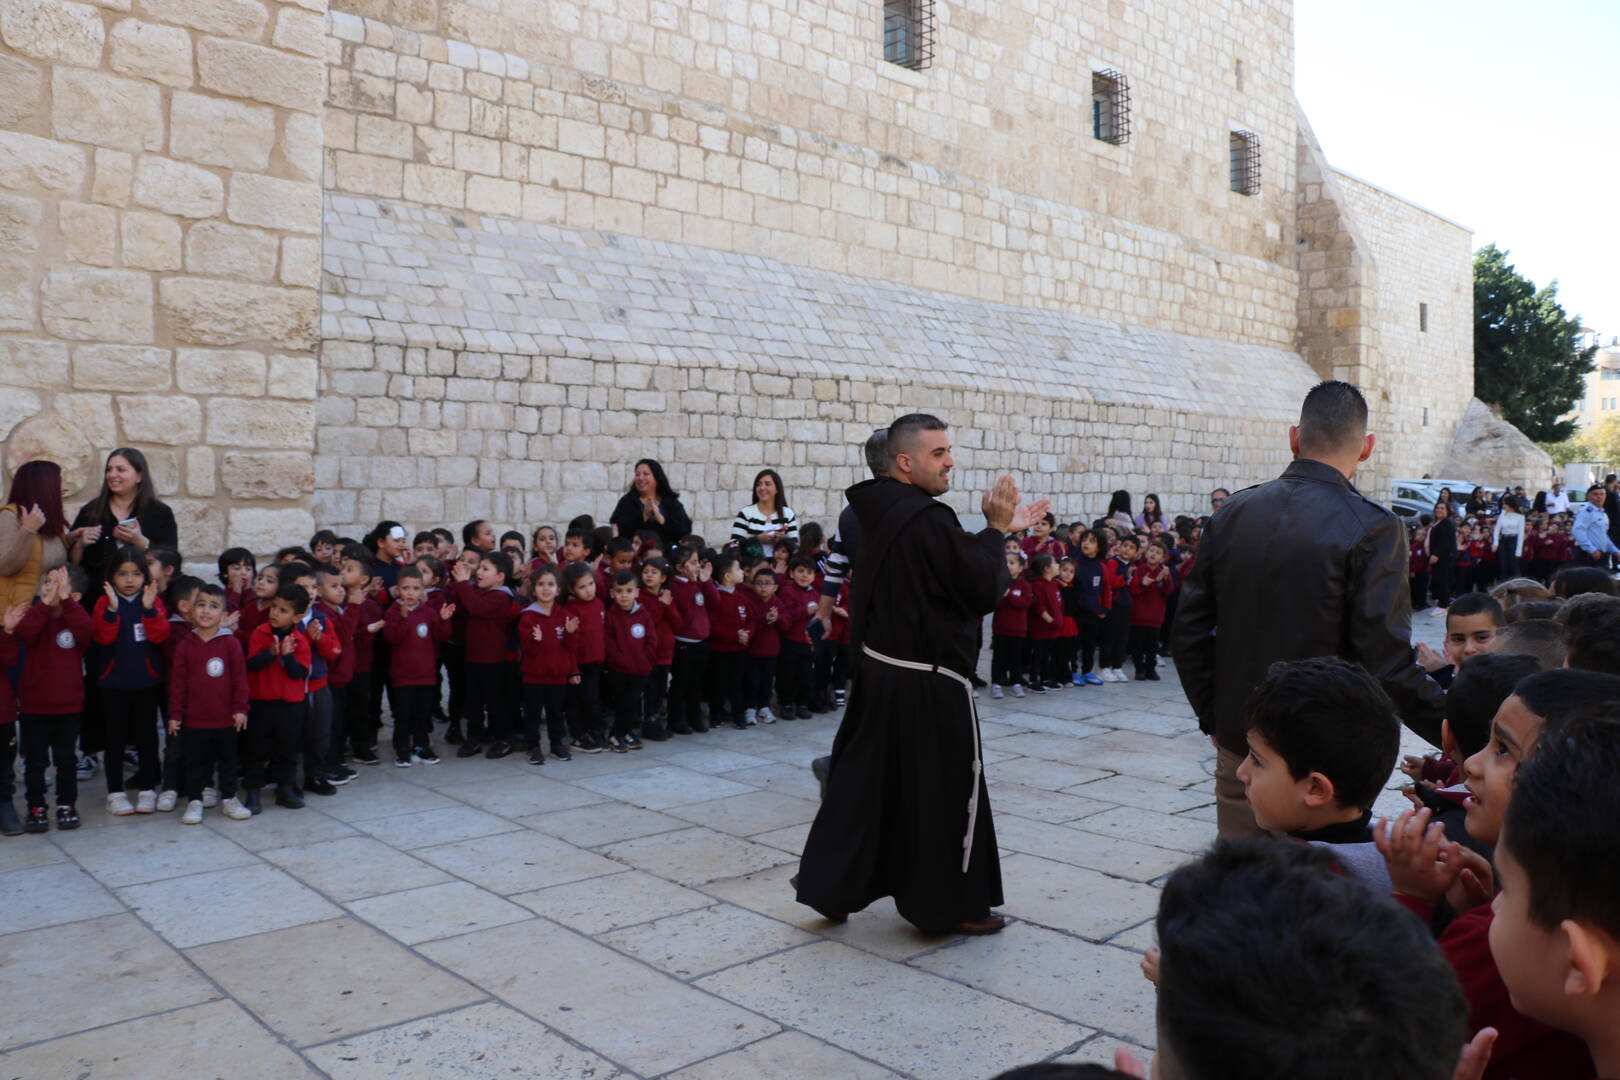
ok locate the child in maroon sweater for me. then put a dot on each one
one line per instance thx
(208, 705)
(1009, 630)
(278, 661)
(731, 628)
(590, 650)
(54, 632)
(689, 590)
(661, 602)
(1045, 624)
(770, 612)
(129, 623)
(491, 607)
(1151, 584)
(631, 643)
(413, 630)
(545, 642)
(795, 674)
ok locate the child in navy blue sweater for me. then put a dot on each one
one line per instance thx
(129, 624)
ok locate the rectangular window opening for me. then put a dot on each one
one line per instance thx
(1423, 318)
(1425, 416)
(1110, 107)
(1244, 149)
(908, 32)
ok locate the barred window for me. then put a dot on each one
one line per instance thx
(1110, 107)
(1423, 318)
(908, 32)
(1245, 162)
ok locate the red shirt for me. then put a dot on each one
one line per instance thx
(1048, 600)
(489, 620)
(283, 678)
(691, 608)
(368, 611)
(8, 699)
(665, 618)
(1148, 594)
(801, 607)
(549, 661)
(839, 634)
(52, 682)
(1116, 581)
(631, 640)
(1012, 610)
(729, 617)
(208, 684)
(766, 641)
(325, 652)
(251, 616)
(1050, 546)
(414, 636)
(589, 640)
(341, 623)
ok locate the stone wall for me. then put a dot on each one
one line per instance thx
(160, 226)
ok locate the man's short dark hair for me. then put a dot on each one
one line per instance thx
(1558, 695)
(1568, 858)
(1476, 603)
(1328, 715)
(904, 431)
(1273, 965)
(1540, 638)
(1482, 684)
(876, 449)
(1220, 491)
(1592, 626)
(1575, 580)
(1332, 419)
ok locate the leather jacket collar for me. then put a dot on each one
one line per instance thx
(1309, 469)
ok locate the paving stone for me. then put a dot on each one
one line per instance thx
(697, 942)
(387, 798)
(426, 828)
(1111, 855)
(1099, 985)
(1072, 898)
(76, 976)
(1150, 722)
(1100, 1050)
(747, 815)
(480, 1042)
(596, 905)
(1147, 795)
(694, 856)
(213, 1039)
(715, 759)
(155, 848)
(908, 1020)
(781, 778)
(1146, 826)
(339, 978)
(27, 854)
(437, 911)
(51, 895)
(619, 1007)
(518, 861)
(1137, 938)
(663, 786)
(788, 1056)
(253, 899)
(280, 829)
(604, 823)
(354, 866)
(523, 795)
(790, 839)
(1040, 773)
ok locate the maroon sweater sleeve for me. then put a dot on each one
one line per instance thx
(180, 681)
(236, 670)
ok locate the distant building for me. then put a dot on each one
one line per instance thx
(1602, 399)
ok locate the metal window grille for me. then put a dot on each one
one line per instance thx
(1245, 162)
(908, 32)
(1110, 107)
(1423, 318)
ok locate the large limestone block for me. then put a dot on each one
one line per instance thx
(262, 530)
(53, 30)
(201, 523)
(15, 407)
(177, 188)
(152, 51)
(215, 131)
(89, 232)
(19, 301)
(106, 110)
(97, 305)
(270, 474)
(301, 144)
(21, 87)
(255, 422)
(120, 367)
(28, 161)
(274, 203)
(170, 420)
(233, 18)
(211, 311)
(301, 31)
(260, 74)
(220, 371)
(200, 471)
(33, 362)
(114, 179)
(53, 438)
(214, 247)
(294, 376)
(151, 241)
(19, 223)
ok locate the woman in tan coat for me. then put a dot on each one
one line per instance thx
(32, 531)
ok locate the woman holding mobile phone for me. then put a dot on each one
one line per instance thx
(127, 511)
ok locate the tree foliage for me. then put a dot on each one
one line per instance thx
(1526, 356)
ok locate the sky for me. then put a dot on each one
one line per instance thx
(1502, 116)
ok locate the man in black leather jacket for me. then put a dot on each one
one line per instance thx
(1300, 566)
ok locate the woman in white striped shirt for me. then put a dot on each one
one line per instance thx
(770, 518)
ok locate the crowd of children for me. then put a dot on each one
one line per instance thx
(1452, 553)
(275, 676)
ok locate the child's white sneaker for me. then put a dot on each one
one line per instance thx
(193, 814)
(1120, 676)
(750, 716)
(210, 798)
(118, 804)
(145, 802)
(167, 801)
(995, 692)
(235, 810)
(1018, 690)
(766, 716)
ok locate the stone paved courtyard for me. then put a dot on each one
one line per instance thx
(614, 916)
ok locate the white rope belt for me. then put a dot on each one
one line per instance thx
(973, 714)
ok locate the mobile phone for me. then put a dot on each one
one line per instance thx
(127, 522)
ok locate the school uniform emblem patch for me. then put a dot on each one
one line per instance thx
(215, 667)
(698, 599)
(638, 631)
(421, 629)
(64, 640)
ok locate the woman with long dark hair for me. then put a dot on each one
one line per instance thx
(651, 504)
(33, 528)
(1442, 554)
(1119, 511)
(769, 519)
(1151, 512)
(126, 511)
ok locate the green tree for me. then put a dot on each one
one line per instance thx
(1526, 356)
